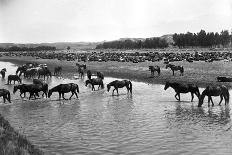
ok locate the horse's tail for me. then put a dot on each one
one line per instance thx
(130, 86)
(226, 94)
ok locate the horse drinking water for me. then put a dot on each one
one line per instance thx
(183, 88)
(120, 84)
(210, 91)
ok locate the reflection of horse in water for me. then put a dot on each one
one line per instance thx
(5, 94)
(183, 88)
(3, 72)
(176, 68)
(120, 84)
(64, 88)
(13, 78)
(95, 81)
(210, 91)
(154, 69)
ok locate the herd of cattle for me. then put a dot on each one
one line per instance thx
(134, 57)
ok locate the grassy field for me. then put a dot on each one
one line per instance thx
(12, 143)
(199, 72)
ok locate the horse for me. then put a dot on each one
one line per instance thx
(33, 89)
(120, 84)
(81, 65)
(153, 69)
(57, 70)
(14, 78)
(100, 75)
(183, 88)
(21, 69)
(44, 86)
(3, 72)
(31, 72)
(95, 81)
(176, 68)
(5, 94)
(89, 74)
(64, 88)
(210, 91)
(81, 72)
(44, 72)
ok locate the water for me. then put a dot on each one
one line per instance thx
(150, 121)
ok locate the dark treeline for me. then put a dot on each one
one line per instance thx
(202, 39)
(129, 44)
(39, 48)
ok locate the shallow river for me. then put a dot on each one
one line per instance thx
(150, 121)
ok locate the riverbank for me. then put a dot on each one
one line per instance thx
(198, 72)
(12, 143)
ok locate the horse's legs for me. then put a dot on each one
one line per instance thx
(208, 101)
(221, 99)
(63, 96)
(59, 95)
(4, 99)
(117, 90)
(173, 72)
(71, 95)
(113, 92)
(75, 93)
(192, 96)
(211, 101)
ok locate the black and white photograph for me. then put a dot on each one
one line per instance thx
(115, 77)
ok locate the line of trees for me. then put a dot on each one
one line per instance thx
(39, 48)
(202, 39)
(130, 44)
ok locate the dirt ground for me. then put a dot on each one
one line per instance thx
(198, 72)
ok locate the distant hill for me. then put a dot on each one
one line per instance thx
(58, 45)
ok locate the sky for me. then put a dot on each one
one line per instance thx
(36, 21)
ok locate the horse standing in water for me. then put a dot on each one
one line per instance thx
(3, 72)
(153, 69)
(210, 91)
(5, 94)
(64, 88)
(14, 78)
(44, 72)
(100, 75)
(120, 84)
(183, 88)
(95, 81)
(176, 68)
(81, 69)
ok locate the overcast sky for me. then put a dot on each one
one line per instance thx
(24, 21)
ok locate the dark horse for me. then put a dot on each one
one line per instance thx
(221, 91)
(89, 74)
(176, 68)
(33, 89)
(3, 72)
(64, 88)
(95, 81)
(153, 69)
(13, 78)
(57, 70)
(100, 75)
(21, 69)
(5, 94)
(183, 88)
(44, 72)
(80, 69)
(120, 84)
(44, 86)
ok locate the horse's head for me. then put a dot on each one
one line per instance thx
(49, 93)
(87, 82)
(108, 87)
(201, 99)
(15, 89)
(167, 66)
(166, 85)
